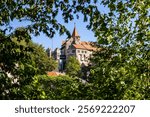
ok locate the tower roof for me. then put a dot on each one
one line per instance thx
(75, 33)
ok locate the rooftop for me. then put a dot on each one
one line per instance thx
(75, 33)
(85, 45)
(53, 73)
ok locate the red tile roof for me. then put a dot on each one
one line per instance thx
(53, 73)
(85, 45)
(79, 46)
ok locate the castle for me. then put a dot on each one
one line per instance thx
(73, 47)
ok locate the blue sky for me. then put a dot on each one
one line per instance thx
(85, 34)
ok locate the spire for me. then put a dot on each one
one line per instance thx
(75, 33)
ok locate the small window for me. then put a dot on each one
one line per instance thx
(73, 51)
(81, 57)
(78, 51)
(84, 58)
(85, 51)
(82, 51)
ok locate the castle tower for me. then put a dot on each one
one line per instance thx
(49, 52)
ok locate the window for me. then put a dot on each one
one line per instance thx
(73, 51)
(81, 57)
(78, 51)
(84, 58)
(82, 51)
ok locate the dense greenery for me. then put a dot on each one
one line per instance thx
(21, 60)
(121, 68)
(60, 87)
(73, 67)
(42, 61)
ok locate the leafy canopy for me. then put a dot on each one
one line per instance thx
(121, 68)
(72, 66)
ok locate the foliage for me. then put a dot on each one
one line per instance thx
(121, 68)
(15, 63)
(60, 87)
(42, 61)
(40, 15)
(72, 66)
(20, 61)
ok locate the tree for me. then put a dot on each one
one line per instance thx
(41, 59)
(59, 87)
(21, 60)
(73, 66)
(121, 68)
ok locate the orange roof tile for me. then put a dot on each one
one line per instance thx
(85, 46)
(53, 73)
(79, 46)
